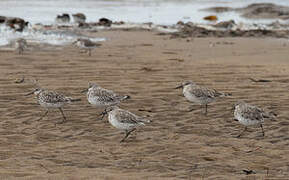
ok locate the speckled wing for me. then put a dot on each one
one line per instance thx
(52, 97)
(89, 43)
(199, 91)
(104, 95)
(127, 117)
(253, 113)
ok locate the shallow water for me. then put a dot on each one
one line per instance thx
(165, 12)
(8, 36)
(137, 11)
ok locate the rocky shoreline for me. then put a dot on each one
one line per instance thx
(181, 29)
(257, 11)
(226, 29)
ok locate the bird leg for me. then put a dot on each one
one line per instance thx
(64, 118)
(206, 109)
(242, 132)
(89, 52)
(127, 134)
(43, 115)
(103, 114)
(262, 129)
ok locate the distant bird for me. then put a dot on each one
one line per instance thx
(124, 120)
(104, 22)
(199, 94)
(79, 18)
(51, 100)
(20, 45)
(102, 98)
(249, 115)
(86, 44)
(64, 18)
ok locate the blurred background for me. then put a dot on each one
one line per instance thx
(165, 12)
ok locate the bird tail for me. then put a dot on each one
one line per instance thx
(271, 115)
(69, 99)
(124, 98)
(225, 94)
(75, 100)
(143, 121)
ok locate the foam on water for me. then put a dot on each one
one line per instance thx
(8, 35)
(164, 12)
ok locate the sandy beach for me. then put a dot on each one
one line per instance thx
(147, 66)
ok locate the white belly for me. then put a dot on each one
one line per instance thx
(51, 105)
(100, 104)
(198, 100)
(115, 123)
(95, 102)
(245, 121)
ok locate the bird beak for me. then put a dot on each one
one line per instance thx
(84, 91)
(29, 93)
(179, 87)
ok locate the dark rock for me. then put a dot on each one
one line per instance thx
(64, 18)
(104, 22)
(2, 19)
(83, 25)
(16, 23)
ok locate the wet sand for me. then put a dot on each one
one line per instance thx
(146, 66)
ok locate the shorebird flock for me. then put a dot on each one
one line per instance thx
(108, 101)
(98, 97)
(83, 44)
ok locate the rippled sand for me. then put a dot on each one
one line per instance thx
(178, 144)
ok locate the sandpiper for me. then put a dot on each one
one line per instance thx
(20, 45)
(124, 120)
(86, 44)
(249, 115)
(199, 94)
(79, 18)
(51, 100)
(102, 98)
